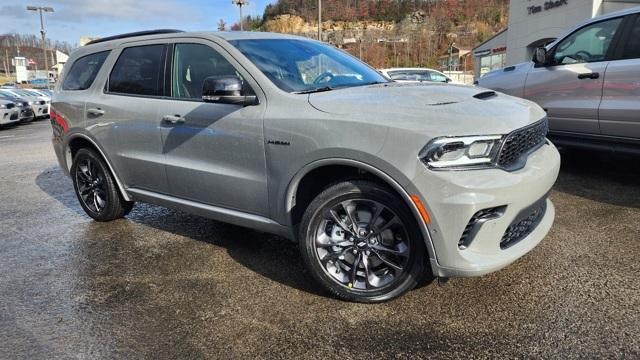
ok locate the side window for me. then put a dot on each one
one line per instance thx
(84, 71)
(632, 47)
(192, 63)
(589, 44)
(398, 75)
(438, 77)
(138, 71)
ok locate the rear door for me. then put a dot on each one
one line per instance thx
(620, 108)
(123, 115)
(570, 87)
(215, 154)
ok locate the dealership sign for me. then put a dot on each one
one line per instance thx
(548, 5)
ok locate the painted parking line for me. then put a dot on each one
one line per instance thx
(6, 136)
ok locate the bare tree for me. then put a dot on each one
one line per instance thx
(222, 26)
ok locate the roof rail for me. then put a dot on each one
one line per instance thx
(134, 34)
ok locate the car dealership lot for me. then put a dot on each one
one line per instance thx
(165, 284)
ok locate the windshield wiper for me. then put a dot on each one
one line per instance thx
(315, 90)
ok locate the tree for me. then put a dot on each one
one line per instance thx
(222, 26)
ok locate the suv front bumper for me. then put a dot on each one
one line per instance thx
(454, 197)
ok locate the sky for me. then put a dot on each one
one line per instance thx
(98, 18)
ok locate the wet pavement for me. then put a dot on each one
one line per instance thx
(165, 284)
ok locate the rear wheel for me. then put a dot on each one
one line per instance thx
(361, 242)
(96, 188)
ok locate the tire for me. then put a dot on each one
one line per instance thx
(390, 255)
(96, 188)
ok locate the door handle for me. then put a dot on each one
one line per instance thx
(173, 119)
(95, 112)
(593, 75)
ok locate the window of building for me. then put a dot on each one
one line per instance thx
(138, 71)
(83, 71)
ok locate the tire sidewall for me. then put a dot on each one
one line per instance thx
(370, 191)
(111, 191)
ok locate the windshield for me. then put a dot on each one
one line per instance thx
(300, 66)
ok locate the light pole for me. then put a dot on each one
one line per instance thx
(319, 20)
(40, 9)
(240, 4)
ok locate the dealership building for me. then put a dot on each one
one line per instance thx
(535, 23)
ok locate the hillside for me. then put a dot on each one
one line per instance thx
(389, 33)
(29, 46)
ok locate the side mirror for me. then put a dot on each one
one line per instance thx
(541, 57)
(226, 90)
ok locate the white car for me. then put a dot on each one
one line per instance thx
(416, 75)
(42, 96)
(39, 104)
(9, 113)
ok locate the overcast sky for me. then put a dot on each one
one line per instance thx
(75, 18)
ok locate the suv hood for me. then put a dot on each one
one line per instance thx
(432, 108)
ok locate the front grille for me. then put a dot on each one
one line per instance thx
(524, 224)
(10, 106)
(476, 222)
(520, 143)
(14, 116)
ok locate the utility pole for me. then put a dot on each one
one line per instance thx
(240, 4)
(319, 20)
(40, 9)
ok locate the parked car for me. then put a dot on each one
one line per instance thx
(42, 95)
(415, 75)
(38, 103)
(25, 110)
(381, 183)
(588, 82)
(9, 113)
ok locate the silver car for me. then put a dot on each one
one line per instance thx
(588, 81)
(381, 183)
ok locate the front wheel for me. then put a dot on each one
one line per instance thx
(96, 188)
(362, 243)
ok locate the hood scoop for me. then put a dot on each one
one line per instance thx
(485, 95)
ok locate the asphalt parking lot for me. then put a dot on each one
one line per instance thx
(165, 284)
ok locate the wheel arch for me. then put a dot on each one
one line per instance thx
(292, 194)
(79, 141)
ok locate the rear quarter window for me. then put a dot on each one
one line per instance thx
(83, 71)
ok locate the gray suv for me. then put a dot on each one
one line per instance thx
(588, 81)
(381, 183)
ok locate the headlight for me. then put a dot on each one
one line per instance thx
(3, 106)
(461, 152)
(30, 103)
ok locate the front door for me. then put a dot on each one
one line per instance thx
(214, 152)
(570, 87)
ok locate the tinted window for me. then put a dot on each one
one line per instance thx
(84, 71)
(192, 63)
(589, 44)
(138, 71)
(632, 47)
(410, 75)
(301, 65)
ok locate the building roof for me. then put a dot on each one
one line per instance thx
(491, 38)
